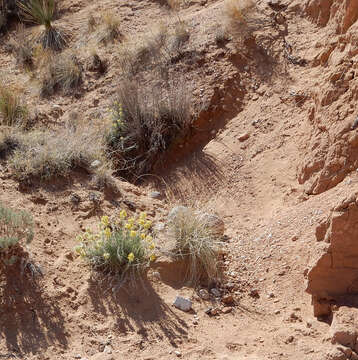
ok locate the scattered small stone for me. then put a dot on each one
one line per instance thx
(195, 322)
(289, 339)
(254, 293)
(226, 310)
(75, 198)
(182, 303)
(277, 312)
(212, 311)
(78, 356)
(215, 292)
(228, 300)
(203, 293)
(244, 136)
(155, 194)
(156, 275)
(107, 349)
(177, 353)
(271, 295)
(95, 164)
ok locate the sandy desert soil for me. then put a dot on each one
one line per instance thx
(272, 152)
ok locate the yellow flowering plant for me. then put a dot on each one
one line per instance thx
(120, 246)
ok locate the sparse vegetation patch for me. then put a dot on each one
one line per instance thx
(146, 122)
(15, 226)
(121, 247)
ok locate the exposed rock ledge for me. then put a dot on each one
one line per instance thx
(335, 271)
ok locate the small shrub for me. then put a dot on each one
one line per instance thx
(154, 49)
(15, 226)
(21, 48)
(109, 31)
(196, 243)
(146, 122)
(44, 155)
(62, 73)
(91, 23)
(122, 247)
(13, 111)
(10, 139)
(42, 12)
(239, 16)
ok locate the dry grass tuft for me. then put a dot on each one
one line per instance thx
(15, 226)
(154, 49)
(13, 110)
(21, 47)
(239, 17)
(61, 73)
(146, 122)
(196, 243)
(109, 30)
(45, 154)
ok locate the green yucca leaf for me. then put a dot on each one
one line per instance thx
(38, 11)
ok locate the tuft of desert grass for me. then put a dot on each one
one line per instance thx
(146, 122)
(22, 48)
(47, 154)
(196, 243)
(42, 12)
(239, 17)
(109, 30)
(15, 226)
(61, 73)
(13, 110)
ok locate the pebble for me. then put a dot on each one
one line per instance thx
(156, 275)
(244, 136)
(155, 194)
(215, 292)
(204, 294)
(95, 164)
(277, 312)
(182, 303)
(254, 293)
(228, 299)
(177, 353)
(226, 310)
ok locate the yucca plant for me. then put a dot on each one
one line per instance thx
(42, 12)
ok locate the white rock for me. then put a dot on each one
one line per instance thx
(182, 303)
(204, 294)
(155, 194)
(95, 164)
(215, 292)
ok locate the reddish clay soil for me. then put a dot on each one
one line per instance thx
(272, 153)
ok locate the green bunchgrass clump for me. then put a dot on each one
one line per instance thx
(123, 248)
(13, 111)
(61, 73)
(42, 12)
(15, 226)
(45, 154)
(196, 243)
(146, 122)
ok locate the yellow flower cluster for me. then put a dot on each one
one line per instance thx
(117, 115)
(96, 245)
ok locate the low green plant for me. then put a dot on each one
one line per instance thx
(13, 111)
(121, 247)
(15, 226)
(42, 12)
(196, 243)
